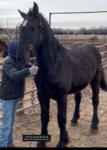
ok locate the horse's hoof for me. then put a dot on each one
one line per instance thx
(61, 144)
(94, 129)
(74, 122)
(41, 144)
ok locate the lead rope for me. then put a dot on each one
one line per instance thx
(33, 93)
(33, 103)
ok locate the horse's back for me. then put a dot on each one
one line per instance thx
(85, 54)
(84, 50)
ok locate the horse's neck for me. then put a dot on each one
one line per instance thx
(50, 52)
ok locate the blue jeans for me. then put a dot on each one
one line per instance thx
(9, 108)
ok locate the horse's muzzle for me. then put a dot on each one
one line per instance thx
(21, 60)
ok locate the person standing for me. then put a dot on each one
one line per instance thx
(11, 90)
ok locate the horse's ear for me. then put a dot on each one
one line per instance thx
(35, 9)
(22, 14)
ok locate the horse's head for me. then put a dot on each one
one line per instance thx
(30, 35)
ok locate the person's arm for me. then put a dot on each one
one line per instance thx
(12, 72)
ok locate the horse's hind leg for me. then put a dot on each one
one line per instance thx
(95, 85)
(77, 107)
(62, 105)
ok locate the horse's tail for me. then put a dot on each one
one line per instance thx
(103, 83)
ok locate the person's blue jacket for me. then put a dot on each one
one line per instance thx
(13, 76)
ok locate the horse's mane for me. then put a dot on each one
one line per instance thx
(30, 12)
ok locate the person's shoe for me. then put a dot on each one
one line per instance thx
(12, 146)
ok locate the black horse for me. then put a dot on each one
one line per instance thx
(61, 72)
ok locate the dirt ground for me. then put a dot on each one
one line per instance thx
(79, 136)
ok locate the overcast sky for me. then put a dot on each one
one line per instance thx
(8, 10)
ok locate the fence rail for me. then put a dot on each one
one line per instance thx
(104, 62)
(69, 40)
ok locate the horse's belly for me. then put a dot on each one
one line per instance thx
(78, 88)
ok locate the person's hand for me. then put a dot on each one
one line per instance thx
(33, 70)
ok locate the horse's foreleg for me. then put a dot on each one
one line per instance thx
(62, 104)
(77, 108)
(44, 103)
(95, 85)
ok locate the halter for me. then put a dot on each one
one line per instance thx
(31, 46)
